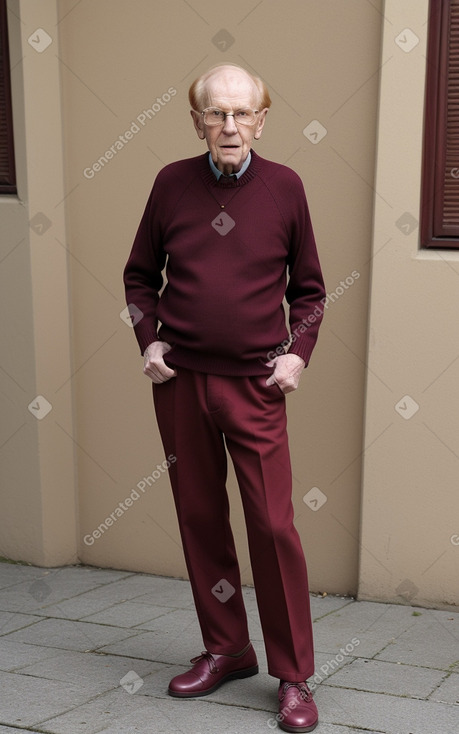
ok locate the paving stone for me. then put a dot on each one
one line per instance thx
(102, 672)
(175, 639)
(13, 730)
(26, 596)
(448, 692)
(161, 590)
(14, 573)
(255, 631)
(85, 604)
(141, 585)
(16, 655)
(118, 712)
(54, 586)
(67, 635)
(382, 677)
(155, 678)
(26, 700)
(11, 621)
(250, 599)
(326, 665)
(432, 640)
(258, 692)
(373, 625)
(89, 574)
(129, 614)
(323, 605)
(169, 644)
(178, 623)
(132, 588)
(151, 646)
(384, 713)
(145, 631)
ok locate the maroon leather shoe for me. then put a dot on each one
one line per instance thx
(297, 710)
(210, 671)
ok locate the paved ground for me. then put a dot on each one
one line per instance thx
(92, 650)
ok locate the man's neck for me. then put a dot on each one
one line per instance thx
(238, 174)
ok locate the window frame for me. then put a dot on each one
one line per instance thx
(436, 132)
(8, 174)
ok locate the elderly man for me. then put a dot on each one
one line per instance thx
(232, 226)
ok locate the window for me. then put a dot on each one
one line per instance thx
(440, 185)
(7, 168)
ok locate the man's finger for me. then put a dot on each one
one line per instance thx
(159, 372)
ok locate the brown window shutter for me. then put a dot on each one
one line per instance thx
(446, 218)
(7, 168)
(440, 180)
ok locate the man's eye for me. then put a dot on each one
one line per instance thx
(217, 113)
(241, 113)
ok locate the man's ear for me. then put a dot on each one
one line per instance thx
(260, 123)
(198, 124)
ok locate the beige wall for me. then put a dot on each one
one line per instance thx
(38, 521)
(126, 61)
(103, 68)
(410, 517)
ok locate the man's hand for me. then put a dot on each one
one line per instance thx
(154, 365)
(287, 371)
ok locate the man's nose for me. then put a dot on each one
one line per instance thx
(229, 125)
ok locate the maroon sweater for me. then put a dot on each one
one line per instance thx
(234, 249)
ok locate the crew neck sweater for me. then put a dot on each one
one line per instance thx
(234, 249)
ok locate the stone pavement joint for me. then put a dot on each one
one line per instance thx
(86, 650)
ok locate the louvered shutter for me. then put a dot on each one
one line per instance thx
(446, 214)
(7, 169)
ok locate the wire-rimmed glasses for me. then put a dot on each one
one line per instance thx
(214, 116)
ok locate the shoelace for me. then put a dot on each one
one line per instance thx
(206, 656)
(305, 693)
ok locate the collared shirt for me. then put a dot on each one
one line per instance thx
(219, 174)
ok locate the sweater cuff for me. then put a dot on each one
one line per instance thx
(145, 339)
(303, 347)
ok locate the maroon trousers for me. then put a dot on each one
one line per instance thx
(197, 415)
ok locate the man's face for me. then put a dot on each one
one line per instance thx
(229, 144)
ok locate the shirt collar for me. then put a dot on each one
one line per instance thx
(219, 174)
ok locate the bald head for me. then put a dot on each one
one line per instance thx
(229, 80)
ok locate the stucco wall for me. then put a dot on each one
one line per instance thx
(114, 67)
(108, 62)
(38, 521)
(410, 510)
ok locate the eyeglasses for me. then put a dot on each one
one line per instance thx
(213, 116)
